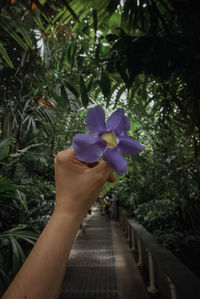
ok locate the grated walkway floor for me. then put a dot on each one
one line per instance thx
(93, 269)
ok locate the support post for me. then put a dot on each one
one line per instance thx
(140, 261)
(152, 288)
(133, 245)
(125, 231)
(172, 289)
(128, 231)
(120, 219)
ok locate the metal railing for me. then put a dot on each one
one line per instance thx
(168, 277)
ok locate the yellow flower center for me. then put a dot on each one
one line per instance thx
(110, 138)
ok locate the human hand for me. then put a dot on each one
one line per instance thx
(78, 184)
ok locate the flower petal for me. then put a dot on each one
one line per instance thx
(128, 145)
(118, 122)
(114, 121)
(95, 120)
(88, 148)
(126, 124)
(115, 160)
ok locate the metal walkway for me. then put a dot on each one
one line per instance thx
(93, 270)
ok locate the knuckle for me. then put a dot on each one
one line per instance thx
(59, 158)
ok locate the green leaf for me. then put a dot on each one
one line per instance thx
(16, 261)
(59, 99)
(84, 95)
(119, 93)
(105, 84)
(42, 1)
(22, 199)
(5, 56)
(7, 189)
(26, 37)
(73, 55)
(97, 52)
(90, 83)
(72, 12)
(4, 148)
(71, 88)
(112, 5)
(114, 21)
(65, 96)
(29, 240)
(70, 54)
(95, 20)
(4, 280)
(123, 75)
(56, 18)
(18, 232)
(15, 36)
(60, 61)
(21, 252)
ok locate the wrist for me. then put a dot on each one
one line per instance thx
(68, 215)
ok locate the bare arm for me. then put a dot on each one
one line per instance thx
(77, 187)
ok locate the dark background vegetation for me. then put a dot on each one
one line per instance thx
(57, 59)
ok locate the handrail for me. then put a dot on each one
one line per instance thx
(182, 282)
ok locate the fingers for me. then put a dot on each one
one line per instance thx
(111, 178)
(99, 167)
(104, 170)
(91, 165)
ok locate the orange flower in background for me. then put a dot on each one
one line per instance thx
(12, 1)
(69, 34)
(34, 6)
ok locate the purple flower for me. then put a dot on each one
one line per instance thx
(108, 140)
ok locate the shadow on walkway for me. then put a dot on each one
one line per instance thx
(100, 264)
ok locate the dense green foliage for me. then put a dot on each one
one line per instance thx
(57, 58)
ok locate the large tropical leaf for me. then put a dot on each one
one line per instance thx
(83, 91)
(5, 55)
(7, 189)
(4, 148)
(105, 84)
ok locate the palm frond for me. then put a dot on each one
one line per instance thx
(5, 56)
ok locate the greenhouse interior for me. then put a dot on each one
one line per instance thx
(100, 149)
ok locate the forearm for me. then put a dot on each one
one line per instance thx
(46, 264)
(77, 187)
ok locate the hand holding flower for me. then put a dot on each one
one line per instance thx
(77, 185)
